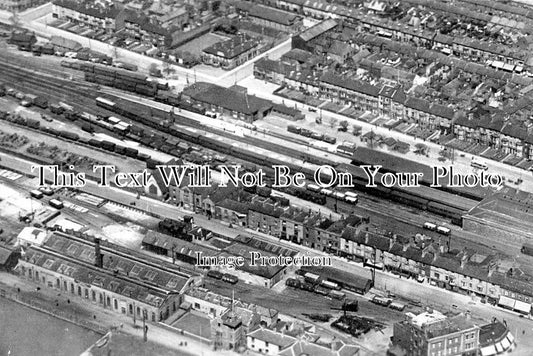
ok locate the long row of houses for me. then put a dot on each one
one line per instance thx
(111, 19)
(499, 131)
(479, 51)
(419, 258)
(378, 99)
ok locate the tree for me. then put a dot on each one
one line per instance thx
(421, 149)
(371, 139)
(445, 154)
(152, 68)
(343, 126)
(333, 122)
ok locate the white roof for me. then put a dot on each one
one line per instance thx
(523, 307)
(428, 318)
(507, 302)
(31, 236)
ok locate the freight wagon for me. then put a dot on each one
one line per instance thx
(55, 203)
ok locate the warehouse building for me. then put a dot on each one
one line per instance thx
(266, 16)
(350, 281)
(104, 275)
(238, 104)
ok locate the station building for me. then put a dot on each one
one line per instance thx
(106, 275)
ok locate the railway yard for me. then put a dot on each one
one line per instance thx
(128, 252)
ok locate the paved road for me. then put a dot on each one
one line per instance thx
(157, 334)
(461, 164)
(242, 76)
(409, 289)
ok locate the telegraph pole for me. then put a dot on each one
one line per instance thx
(145, 327)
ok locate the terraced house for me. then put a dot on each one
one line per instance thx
(143, 28)
(87, 13)
(231, 53)
(266, 16)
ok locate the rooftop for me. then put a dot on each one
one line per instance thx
(492, 333)
(318, 29)
(233, 47)
(88, 274)
(231, 100)
(89, 8)
(267, 13)
(272, 337)
(120, 265)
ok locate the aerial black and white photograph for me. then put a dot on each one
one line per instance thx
(266, 177)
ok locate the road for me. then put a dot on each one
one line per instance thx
(36, 20)
(461, 162)
(33, 19)
(431, 295)
(409, 289)
(74, 305)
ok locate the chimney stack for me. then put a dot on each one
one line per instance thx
(98, 258)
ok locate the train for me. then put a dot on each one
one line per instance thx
(87, 125)
(124, 79)
(436, 201)
(440, 229)
(324, 288)
(308, 133)
(426, 198)
(55, 203)
(440, 202)
(347, 196)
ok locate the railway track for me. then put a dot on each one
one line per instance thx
(83, 99)
(57, 89)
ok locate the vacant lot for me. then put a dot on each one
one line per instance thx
(195, 323)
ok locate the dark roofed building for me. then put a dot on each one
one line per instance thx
(121, 282)
(143, 28)
(241, 105)
(495, 338)
(358, 283)
(232, 211)
(86, 13)
(231, 53)
(22, 39)
(350, 84)
(267, 16)
(177, 249)
(432, 331)
(265, 217)
(303, 39)
(271, 71)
